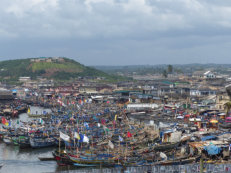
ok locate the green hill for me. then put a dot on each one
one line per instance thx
(51, 68)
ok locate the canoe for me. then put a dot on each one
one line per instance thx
(42, 142)
(22, 109)
(85, 165)
(15, 140)
(23, 142)
(62, 159)
(225, 125)
(177, 161)
(35, 115)
(7, 140)
(46, 158)
(90, 161)
(166, 146)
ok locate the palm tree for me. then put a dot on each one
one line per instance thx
(227, 106)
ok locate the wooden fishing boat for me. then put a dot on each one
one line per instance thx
(166, 146)
(62, 158)
(41, 142)
(85, 165)
(35, 115)
(23, 142)
(178, 161)
(225, 125)
(46, 158)
(7, 111)
(2, 133)
(93, 161)
(21, 109)
(15, 140)
(7, 140)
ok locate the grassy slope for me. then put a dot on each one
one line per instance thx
(13, 69)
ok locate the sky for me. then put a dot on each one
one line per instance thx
(117, 32)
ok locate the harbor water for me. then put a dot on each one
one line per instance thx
(16, 160)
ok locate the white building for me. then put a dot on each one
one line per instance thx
(24, 79)
(209, 75)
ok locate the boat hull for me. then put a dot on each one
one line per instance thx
(41, 143)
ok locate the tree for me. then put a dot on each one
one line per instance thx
(165, 74)
(170, 69)
(227, 107)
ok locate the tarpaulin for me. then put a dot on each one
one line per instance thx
(212, 149)
(208, 138)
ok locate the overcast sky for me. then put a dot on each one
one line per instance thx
(117, 32)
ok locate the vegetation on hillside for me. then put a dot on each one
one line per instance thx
(59, 70)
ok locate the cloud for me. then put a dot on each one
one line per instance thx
(106, 27)
(109, 18)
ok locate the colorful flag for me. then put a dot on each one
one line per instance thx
(110, 144)
(115, 117)
(60, 122)
(86, 124)
(85, 139)
(106, 129)
(4, 120)
(76, 135)
(40, 120)
(129, 134)
(64, 136)
(81, 138)
(7, 123)
(103, 121)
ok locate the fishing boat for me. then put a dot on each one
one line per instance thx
(23, 142)
(7, 140)
(41, 142)
(46, 158)
(180, 161)
(2, 133)
(62, 158)
(166, 146)
(21, 109)
(85, 165)
(92, 161)
(15, 139)
(225, 125)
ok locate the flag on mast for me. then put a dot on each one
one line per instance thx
(76, 135)
(110, 144)
(64, 136)
(129, 134)
(85, 139)
(121, 139)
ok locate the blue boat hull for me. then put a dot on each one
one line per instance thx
(41, 143)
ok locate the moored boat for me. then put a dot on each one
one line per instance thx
(41, 142)
(166, 146)
(7, 140)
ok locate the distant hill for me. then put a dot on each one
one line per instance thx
(51, 68)
(130, 70)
